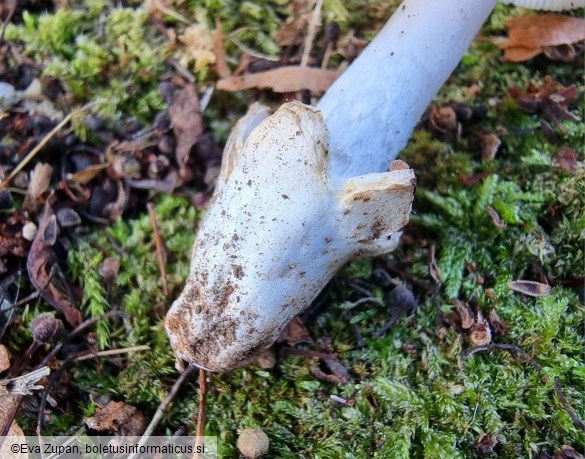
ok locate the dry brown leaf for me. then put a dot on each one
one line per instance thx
(331, 370)
(294, 333)
(530, 288)
(564, 53)
(490, 143)
(295, 27)
(567, 159)
(282, 79)
(529, 35)
(39, 181)
(8, 403)
(117, 417)
(86, 175)
(41, 275)
(4, 359)
(551, 99)
(495, 216)
(465, 313)
(185, 114)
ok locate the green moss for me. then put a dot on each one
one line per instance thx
(410, 393)
(100, 52)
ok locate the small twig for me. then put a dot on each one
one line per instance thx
(159, 249)
(369, 299)
(161, 410)
(577, 421)
(125, 350)
(384, 328)
(200, 429)
(501, 347)
(248, 50)
(75, 358)
(359, 339)
(80, 328)
(312, 32)
(26, 299)
(42, 143)
(20, 386)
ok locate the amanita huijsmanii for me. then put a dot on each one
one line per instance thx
(304, 190)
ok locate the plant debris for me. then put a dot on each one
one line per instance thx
(117, 417)
(43, 272)
(530, 288)
(551, 99)
(282, 79)
(531, 35)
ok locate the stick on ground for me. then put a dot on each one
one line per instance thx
(159, 249)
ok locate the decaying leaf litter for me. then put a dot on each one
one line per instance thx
(524, 198)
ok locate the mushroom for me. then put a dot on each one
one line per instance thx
(304, 190)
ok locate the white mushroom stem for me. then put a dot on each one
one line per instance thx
(303, 191)
(372, 108)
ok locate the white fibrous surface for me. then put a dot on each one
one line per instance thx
(278, 229)
(303, 191)
(372, 108)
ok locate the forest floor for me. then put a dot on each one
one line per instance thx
(466, 342)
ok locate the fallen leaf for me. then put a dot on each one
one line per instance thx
(4, 359)
(89, 173)
(550, 98)
(7, 407)
(567, 159)
(117, 417)
(564, 53)
(465, 313)
(496, 219)
(530, 288)
(185, 114)
(282, 79)
(41, 275)
(331, 370)
(108, 270)
(39, 181)
(295, 27)
(528, 36)
(490, 143)
(295, 333)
